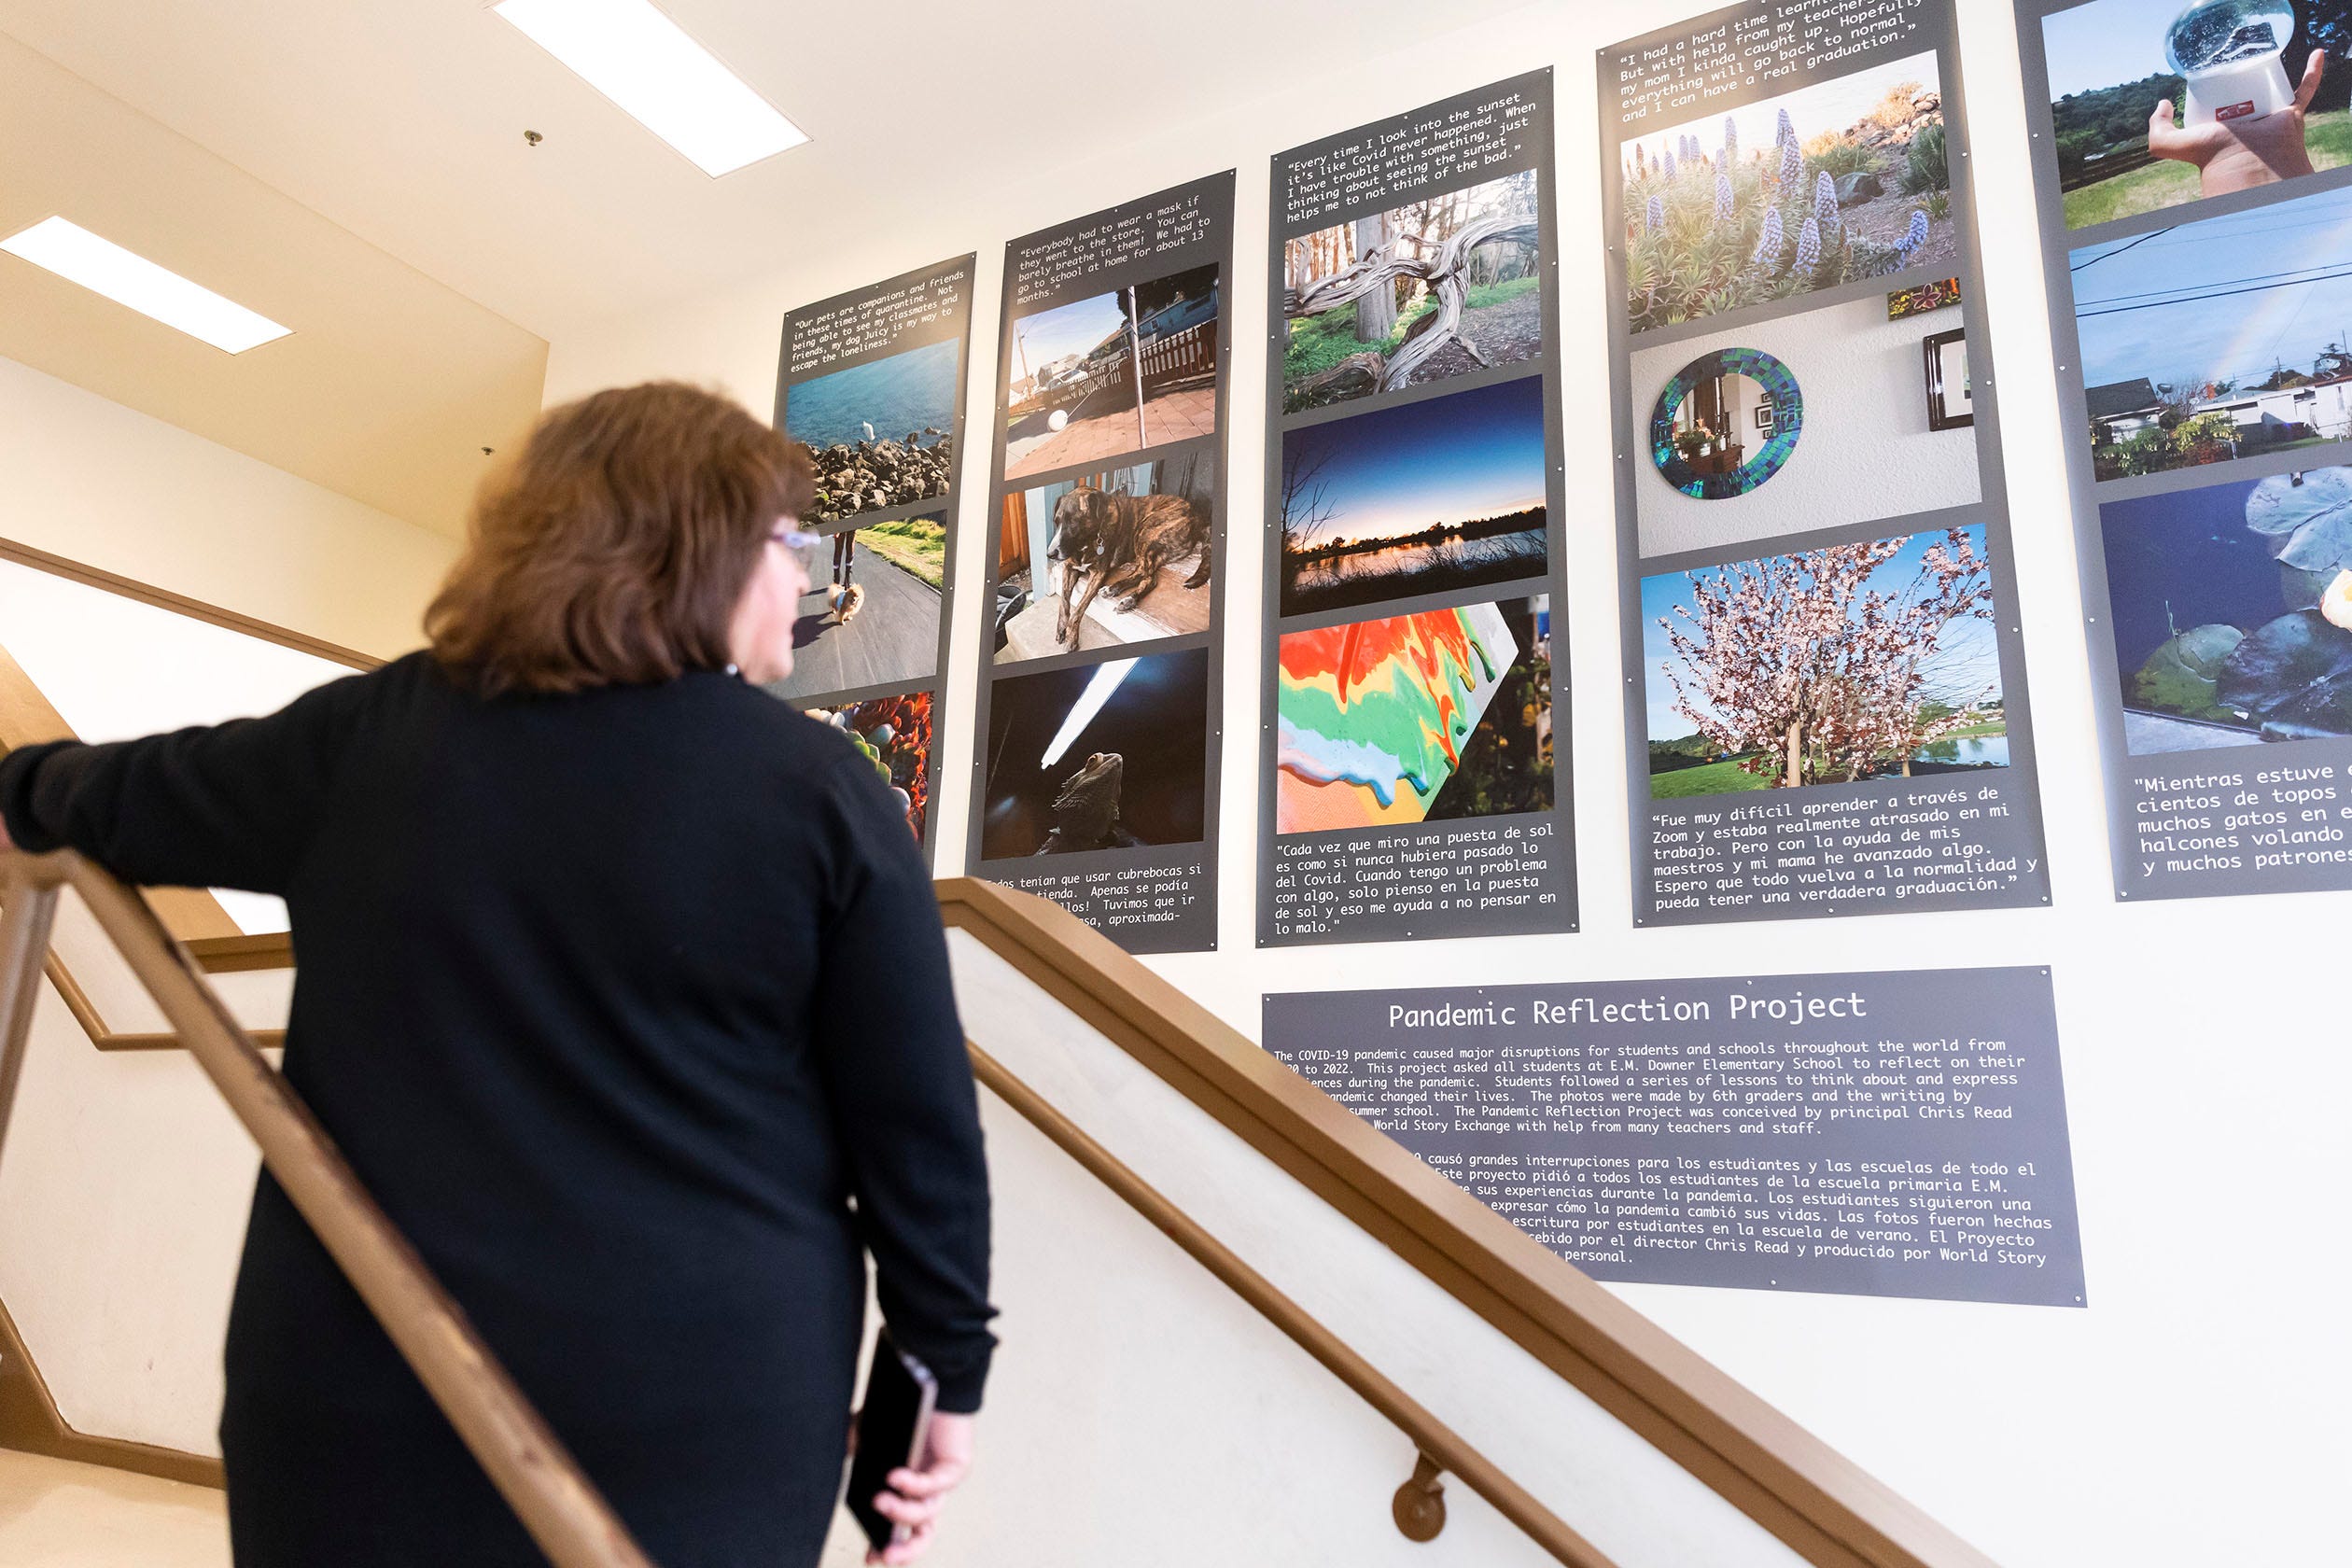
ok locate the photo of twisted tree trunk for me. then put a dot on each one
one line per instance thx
(1414, 294)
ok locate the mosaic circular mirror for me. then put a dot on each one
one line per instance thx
(1725, 423)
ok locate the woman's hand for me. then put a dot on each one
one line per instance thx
(915, 1496)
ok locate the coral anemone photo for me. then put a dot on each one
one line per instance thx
(894, 734)
(1843, 179)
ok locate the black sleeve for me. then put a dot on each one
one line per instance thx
(902, 1087)
(226, 805)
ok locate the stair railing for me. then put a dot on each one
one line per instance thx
(541, 1481)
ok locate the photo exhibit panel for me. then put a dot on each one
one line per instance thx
(1817, 593)
(871, 383)
(1413, 780)
(2193, 178)
(1099, 728)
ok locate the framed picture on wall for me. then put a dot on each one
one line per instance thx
(1946, 365)
(1764, 418)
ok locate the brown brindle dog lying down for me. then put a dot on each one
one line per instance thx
(1109, 540)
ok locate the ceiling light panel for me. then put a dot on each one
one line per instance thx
(638, 57)
(128, 278)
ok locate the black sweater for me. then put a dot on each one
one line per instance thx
(631, 1007)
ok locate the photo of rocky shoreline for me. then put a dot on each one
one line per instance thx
(882, 433)
(868, 475)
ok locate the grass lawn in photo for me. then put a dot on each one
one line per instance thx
(1437, 288)
(2119, 109)
(916, 545)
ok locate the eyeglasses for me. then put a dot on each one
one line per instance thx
(801, 542)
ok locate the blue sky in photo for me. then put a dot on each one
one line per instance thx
(2106, 44)
(1966, 655)
(2221, 297)
(1450, 459)
(1072, 328)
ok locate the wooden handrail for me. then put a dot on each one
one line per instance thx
(1817, 1501)
(1439, 1443)
(563, 1511)
(1823, 1506)
(236, 955)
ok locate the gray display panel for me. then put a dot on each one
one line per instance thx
(1900, 1133)
(872, 382)
(1824, 683)
(1096, 772)
(2198, 283)
(1414, 777)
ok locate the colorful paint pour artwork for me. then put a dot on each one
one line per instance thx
(1373, 714)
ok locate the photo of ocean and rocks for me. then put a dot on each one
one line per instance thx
(882, 433)
(854, 477)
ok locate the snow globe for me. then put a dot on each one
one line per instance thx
(2229, 51)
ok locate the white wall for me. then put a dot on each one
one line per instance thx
(2050, 1437)
(112, 488)
(116, 668)
(122, 1207)
(1141, 1414)
(125, 1180)
(1865, 450)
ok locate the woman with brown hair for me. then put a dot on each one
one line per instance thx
(622, 988)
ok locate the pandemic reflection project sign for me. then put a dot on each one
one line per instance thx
(1900, 1133)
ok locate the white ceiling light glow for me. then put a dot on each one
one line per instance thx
(641, 60)
(103, 267)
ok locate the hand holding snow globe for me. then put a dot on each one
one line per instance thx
(2242, 125)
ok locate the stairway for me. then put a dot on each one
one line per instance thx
(57, 1513)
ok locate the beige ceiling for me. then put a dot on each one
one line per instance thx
(376, 137)
(391, 382)
(403, 120)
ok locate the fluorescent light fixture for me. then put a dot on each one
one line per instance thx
(641, 60)
(1081, 713)
(104, 267)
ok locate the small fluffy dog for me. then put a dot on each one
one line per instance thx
(846, 601)
(1110, 540)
